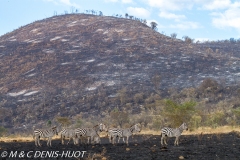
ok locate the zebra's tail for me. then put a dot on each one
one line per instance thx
(33, 135)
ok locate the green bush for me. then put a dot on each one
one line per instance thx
(176, 114)
(157, 124)
(195, 121)
(3, 131)
(216, 119)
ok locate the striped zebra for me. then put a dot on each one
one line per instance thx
(121, 133)
(90, 132)
(68, 133)
(113, 133)
(97, 139)
(44, 133)
(172, 132)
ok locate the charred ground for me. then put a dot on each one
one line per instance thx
(147, 147)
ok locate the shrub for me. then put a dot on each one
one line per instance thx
(119, 117)
(216, 119)
(3, 131)
(195, 121)
(236, 113)
(176, 114)
(63, 120)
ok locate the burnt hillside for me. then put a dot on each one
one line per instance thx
(69, 64)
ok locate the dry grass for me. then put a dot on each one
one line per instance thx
(200, 131)
(19, 138)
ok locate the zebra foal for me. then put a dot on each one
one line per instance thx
(172, 132)
(44, 133)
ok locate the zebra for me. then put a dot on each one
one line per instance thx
(97, 139)
(121, 133)
(68, 133)
(172, 132)
(44, 133)
(90, 132)
(113, 133)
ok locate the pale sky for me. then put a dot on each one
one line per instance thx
(198, 19)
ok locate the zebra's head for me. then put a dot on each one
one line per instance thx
(54, 130)
(137, 127)
(184, 126)
(102, 127)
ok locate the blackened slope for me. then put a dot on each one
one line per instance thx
(49, 67)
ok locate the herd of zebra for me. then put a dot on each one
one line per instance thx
(92, 134)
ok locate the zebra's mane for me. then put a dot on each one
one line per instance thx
(181, 127)
(96, 128)
(132, 128)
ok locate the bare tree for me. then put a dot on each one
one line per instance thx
(72, 9)
(145, 21)
(119, 117)
(188, 39)
(122, 94)
(173, 35)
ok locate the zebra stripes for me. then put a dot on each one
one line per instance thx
(68, 133)
(121, 133)
(129, 132)
(113, 133)
(172, 132)
(90, 132)
(44, 133)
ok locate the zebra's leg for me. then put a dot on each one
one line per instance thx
(162, 140)
(176, 141)
(48, 141)
(69, 141)
(110, 138)
(38, 141)
(62, 137)
(113, 139)
(92, 140)
(165, 140)
(123, 140)
(88, 140)
(127, 140)
(76, 140)
(119, 139)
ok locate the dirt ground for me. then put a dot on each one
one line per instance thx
(141, 147)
